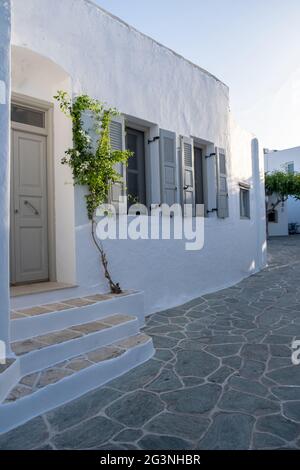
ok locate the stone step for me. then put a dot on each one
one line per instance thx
(45, 350)
(42, 319)
(31, 383)
(48, 388)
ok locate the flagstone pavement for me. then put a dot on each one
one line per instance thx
(221, 378)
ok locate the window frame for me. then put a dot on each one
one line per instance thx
(246, 213)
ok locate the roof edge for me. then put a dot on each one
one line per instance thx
(124, 23)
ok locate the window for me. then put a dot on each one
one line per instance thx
(273, 217)
(289, 168)
(199, 180)
(29, 116)
(136, 178)
(244, 203)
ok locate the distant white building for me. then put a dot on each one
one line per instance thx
(287, 160)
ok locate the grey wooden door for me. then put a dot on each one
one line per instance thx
(29, 220)
(136, 181)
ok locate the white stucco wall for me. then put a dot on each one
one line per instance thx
(290, 212)
(5, 30)
(115, 63)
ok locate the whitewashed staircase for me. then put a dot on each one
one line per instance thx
(66, 349)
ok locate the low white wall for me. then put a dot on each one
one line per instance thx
(5, 31)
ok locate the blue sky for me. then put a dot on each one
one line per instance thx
(252, 45)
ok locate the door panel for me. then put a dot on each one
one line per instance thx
(29, 227)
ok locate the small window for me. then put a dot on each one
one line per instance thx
(289, 168)
(244, 203)
(273, 217)
(29, 116)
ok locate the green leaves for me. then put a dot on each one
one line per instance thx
(283, 184)
(94, 168)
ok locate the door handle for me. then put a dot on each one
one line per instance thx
(27, 203)
(187, 186)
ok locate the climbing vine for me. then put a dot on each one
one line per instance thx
(92, 160)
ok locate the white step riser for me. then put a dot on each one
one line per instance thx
(132, 304)
(21, 411)
(47, 357)
(9, 379)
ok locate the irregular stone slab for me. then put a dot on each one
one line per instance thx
(224, 350)
(128, 435)
(252, 369)
(166, 381)
(239, 401)
(278, 339)
(154, 442)
(163, 329)
(192, 381)
(229, 431)
(279, 350)
(262, 440)
(191, 428)
(163, 342)
(164, 355)
(286, 375)
(220, 375)
(290, 330)
(292, 410)
(287, 393)
(248, 386)
(80, 409)
(197, 399)
(18, 392)
(191, 345)
(138, 377)
(51, 376)
(135, 409)
(225, 339)
(278, 362)
(256, 352)
(280, 426)
(233, 361)
(88, 434)
(195, 363)
(30, 435)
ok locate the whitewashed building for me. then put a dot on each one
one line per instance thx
(47, 257)
(287, 160)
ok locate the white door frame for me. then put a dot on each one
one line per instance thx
(27, 101)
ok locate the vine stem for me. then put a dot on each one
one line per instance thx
(114, 286)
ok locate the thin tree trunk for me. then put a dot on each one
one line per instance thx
(114, 286)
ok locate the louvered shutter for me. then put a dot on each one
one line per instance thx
(222, 185)
(117, 141)
(167, 148)
(188, 178)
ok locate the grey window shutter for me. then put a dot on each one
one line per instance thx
(188, 177)
(117, 141)
(167, 148)
(222, 185)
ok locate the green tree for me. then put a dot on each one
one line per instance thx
(282, 185)
(93, 165)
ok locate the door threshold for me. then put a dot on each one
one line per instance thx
(38, 288)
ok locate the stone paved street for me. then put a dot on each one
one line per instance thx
(222, 376)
